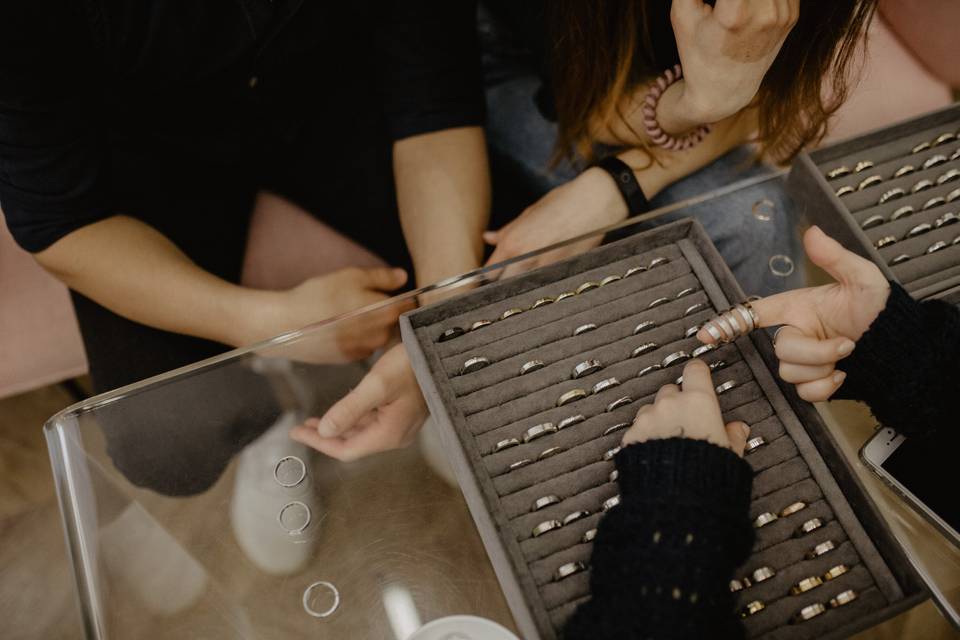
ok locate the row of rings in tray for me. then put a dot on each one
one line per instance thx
(764, 573)
(810, 611)
(863, 165)
(878, 219)
(919, 230)
(899, 192)
(475, 363)
(456, 332)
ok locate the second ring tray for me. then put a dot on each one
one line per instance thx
(532, 450)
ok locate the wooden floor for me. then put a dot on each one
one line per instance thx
(36, 585)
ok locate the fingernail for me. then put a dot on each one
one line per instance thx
(400, 273)
(326, 429)
(846, 347)
(746, 430)
(839, 377)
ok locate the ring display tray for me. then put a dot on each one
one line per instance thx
(512, 441)
(898, 202)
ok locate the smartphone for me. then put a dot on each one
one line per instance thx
(919, 470)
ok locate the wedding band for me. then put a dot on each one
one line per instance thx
(674, 358)
(570, 421)
(586, 286)
(297, 478)
(511, 312)
(806, 585)
(726, 386)
(923, 146)
(714, 332)
(620, 426)
(650, 369)
(821, 549)
(873, 221)
(866, 183)
(703, 350)
(586, 367)
(610, 454)
(751, 318)
(610, 503)
(616, 404)
(576, 515)
(955, 241)
(753, 444)
(588, 536)
(892, 194)
(809, 526)
(474, 364)
(565, 295)
(905, 170)
(843, 598)
(955, 155)
(809, 612)
(933, 161)
(863, 165)
(836, 572)
(921, 186)
(307, 599)
(643, 326)
(685, 292)
(945, 219)
(571, 396)
(692, 331)
(717, 365)
(533, 365)
(764, 519)
(918, 230)
(838, 172)
(729, 334)
(542, 302)
(658, 302)
(950, 175)
(953, 195)
(603, 385)
(568, 569)
(609, 279)
(546, 453)
(938, 201)
(584, 328)
(796, 507)
(545, 526)
(538, 431)
(845, 190)
(736, 585)
(519, 463)
(937, 246)
(646, 347)
(614, 475)
(656, 262)
(885, 241)
(700, 306)
(479, 324)
(902, 212)
(752, 609)
(944, 138)
(761, 574)
(505, 444)
(295, 529)
(633, 271)
(544, 502)
(450, 334)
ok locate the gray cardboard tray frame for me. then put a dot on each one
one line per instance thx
(702, 255)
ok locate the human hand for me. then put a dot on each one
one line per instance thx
(822, 324)
(588, 202)
(725, 51)
(692, 413)
(383, 412)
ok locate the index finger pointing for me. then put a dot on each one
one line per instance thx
(696, 377)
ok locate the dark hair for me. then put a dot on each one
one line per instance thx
(602, 49)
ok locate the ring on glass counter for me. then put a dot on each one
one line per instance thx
(939, 245)
(584, 328)
(891, 194)
(754, 443)
(538, 431)
(656, 262)
(532, 365)
(511, 312)
(902, 212)
(885, 241)
(571, 396)
(761, 574)
(474, 364)
(863, 165)
(542, 302)
(450, 334)
(937, 201)
(586, 286)
(726, 386)
(933, 161)
(922, 185)
(809, 612)
(873, 221)
(307, 598)
(610, 454)
(586, 367)
(569, 421)
(658, 302)
(674, 358)
(610, 503)
(836, 572)
(870, 181)
(649, 369)
(685, 292)
(609, 279)
(544, 502)
(944, 138)
(920, 148)
(589, 535)
(479, 324)
(821, 549)
(616, 404)
(703, 350)
(838, 172)
(552, 451)
(632, 271)
(752, 609)
(643, 326)
(568, 569)
(806, 585)
(694, 308)
(506, 444)
(843, 598)
(796, 507)
(949, 176)
(945, 219)
(519, 463)
(845, 191)
(574, 516)
(620, 426)
(291, 462)
(809, 526)
(764, 519)
(646, 347)
(918, 230)
(545, 526)
(603, 385)
(905, 170)
(565, 295)
(295, 528)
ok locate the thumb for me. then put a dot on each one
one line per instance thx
(383, 278)
(347, 413)
(844, 266)
(738, 432)
(491, 237)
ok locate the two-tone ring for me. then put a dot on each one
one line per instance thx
(754, 443)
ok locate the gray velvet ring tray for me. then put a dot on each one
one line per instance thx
(935, 165)
(478, 410)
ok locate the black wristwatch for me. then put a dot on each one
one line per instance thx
(627, 183)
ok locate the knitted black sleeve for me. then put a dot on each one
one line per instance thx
(663, 559)
(906, 367)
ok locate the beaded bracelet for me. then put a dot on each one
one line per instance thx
(657, 135)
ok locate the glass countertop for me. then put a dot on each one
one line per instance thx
(189, 512)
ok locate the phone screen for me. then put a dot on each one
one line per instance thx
(925, 467)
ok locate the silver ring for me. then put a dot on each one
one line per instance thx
(717, 365)
(571, 396)
(586, 367)
(752, 608)
(568, 569)
(588, 536)
(885, 241)
(764, 519)
(574, 516)
(673, 358)
(329, 611)
(610, 503)
(519, 463)
(694, 308)
(955, 241)
(620, 426)
(796, 507)
(506, 444)
(873, 221)
(761, 574)
(545, 526)
(515, 311)
(922, 185)
(724, 387)
(538, 431)
(754, 443)
(586, 286)
(935, 160)
(953, 195)
(923, 146)
(843, 598)
(714, 332)
(619, 402)
(863, 165)
(541, 302)
(937, 201)
(474, 364)
(949, 176)
(838, 172)
(646, 347)
(658, 302)
(939, 245)
(806, 585)
(736, 585)
(891, 194)
(870, 181)
(821, 549)
(944, 138)
(945, 219)
(614, 475)
(648, 369)
(603, 385)
(692, 331)
(533, 365)
(610, 454)
(633, 271)
(479, 324)
(552, 451)
(902, 212)
(450, 334)
(565, 295)
(643, 326)
(918, 230)
(729, 334)
(836, 572)
(703, 350)
(584, 328)
(299, 476)
(544, 502)
(845, 190)
(685, 292)
(569, 421)
(656, 262)
(955, 155)
(809, 526)
(905, 170)
(609, 279)
(301, 528)
(749, 315)
(809, 612)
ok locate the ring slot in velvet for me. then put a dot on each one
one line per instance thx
(888, 168)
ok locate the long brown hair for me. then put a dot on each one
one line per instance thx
(603, 49)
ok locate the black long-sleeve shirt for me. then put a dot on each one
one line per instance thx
(656, 568)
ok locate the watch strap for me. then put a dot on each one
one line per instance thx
(627, 184)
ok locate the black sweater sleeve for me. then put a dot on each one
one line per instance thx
(663, 559)
(906, 367)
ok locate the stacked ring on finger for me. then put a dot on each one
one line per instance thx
(740, 320)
